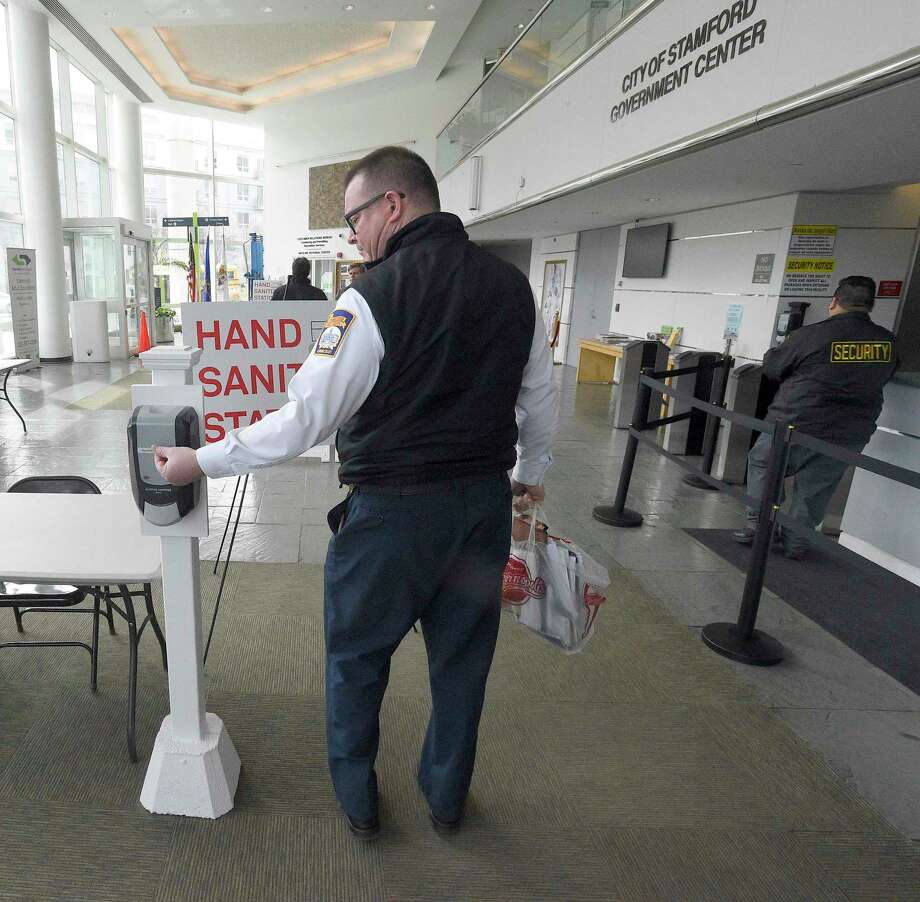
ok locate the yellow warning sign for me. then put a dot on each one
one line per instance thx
(812, 241)
(814, 230)
(809, 264)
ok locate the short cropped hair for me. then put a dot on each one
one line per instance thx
(397, 169)
(300, 269)
(856, 291)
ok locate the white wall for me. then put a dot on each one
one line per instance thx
(517, 253)
(875, 237)
(711, 261)
(321, 130)
(598, 252)
(800, 51)
(710, 265)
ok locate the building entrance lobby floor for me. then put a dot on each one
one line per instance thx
(645, 768)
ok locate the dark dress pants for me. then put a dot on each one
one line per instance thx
(396, 559)
(815, 478)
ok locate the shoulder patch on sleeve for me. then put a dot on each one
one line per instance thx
(334, 331)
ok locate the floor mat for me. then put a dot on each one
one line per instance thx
(881, 622)
(116, 396)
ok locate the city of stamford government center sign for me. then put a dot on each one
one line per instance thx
(645, 84)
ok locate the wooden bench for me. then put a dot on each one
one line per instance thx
(597, 361)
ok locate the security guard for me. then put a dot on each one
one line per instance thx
(831, 376)
(433, 372)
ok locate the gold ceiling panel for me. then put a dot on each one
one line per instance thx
(238, 59)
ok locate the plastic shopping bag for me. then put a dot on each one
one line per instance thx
(551, 586)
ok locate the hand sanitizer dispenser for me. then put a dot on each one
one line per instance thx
(151, 425)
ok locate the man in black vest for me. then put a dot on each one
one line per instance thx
(299, 287)
(831, 375)
(436, 371)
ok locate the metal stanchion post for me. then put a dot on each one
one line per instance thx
(740, 641)
(711, 436)
(618, 514)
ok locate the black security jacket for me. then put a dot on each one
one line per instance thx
(831, 376)
(457, 325)
(298, 291)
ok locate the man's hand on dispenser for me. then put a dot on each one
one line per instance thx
(178, 466)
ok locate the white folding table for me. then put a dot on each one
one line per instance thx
(82, 540)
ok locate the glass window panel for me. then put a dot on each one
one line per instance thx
(563, 32)
(244, 207)
(89, 190)
(130, 259)
(238, 150)
(171, 141)
(83, 106)
(98, 253)
(9, 170)
(175, 195)
(62, 189)
(6, 94)
(56, 89)
(10, 236)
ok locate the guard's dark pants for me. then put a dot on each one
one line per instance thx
(816, 477)
(436, 557)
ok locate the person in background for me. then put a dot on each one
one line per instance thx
(830, 376)
(299, 287)
(354, 272)
(436, 371)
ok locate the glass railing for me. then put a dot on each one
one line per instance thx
(559, 34)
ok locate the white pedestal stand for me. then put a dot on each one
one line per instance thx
(194, 767)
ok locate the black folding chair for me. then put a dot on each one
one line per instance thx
(26, 598)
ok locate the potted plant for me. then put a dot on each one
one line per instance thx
(164, 324)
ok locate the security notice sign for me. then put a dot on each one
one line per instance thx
(20, 265)
(808, 276)
(813, 241)
(250, 353)
(810, 262)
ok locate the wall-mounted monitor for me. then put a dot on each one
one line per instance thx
(646, 251)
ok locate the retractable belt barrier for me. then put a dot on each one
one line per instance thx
(739, 641)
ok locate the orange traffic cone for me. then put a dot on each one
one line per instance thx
(143, 338)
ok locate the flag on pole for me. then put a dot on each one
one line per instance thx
(192, 295)
(206, 288)
(197, 249)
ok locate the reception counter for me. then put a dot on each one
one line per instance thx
(882, 518)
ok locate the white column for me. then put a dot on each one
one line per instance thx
(38, 173)
(127, 151)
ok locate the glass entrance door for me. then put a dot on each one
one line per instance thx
(137, 290)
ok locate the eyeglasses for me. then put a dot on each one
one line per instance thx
(350, 215)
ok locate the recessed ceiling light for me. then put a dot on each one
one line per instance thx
(266, 9)
(652, 200)
(520, 26)
(349, 7)
(431, 7)
(108, 14)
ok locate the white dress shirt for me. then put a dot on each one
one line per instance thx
(327, 391)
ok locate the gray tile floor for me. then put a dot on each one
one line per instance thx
(865, 723)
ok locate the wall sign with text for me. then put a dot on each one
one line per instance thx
(715, 42)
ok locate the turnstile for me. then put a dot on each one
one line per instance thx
(686, 436)
(742, 396)
(636, 356)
